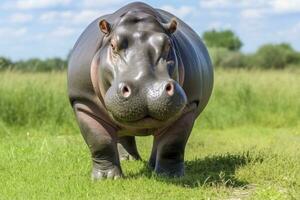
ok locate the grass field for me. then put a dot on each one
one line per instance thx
(245, 145)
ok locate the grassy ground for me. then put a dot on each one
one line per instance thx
(246, 145)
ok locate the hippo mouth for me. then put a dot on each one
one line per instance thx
(146, 121)
(148, 118)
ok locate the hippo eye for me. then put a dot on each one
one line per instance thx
(113, 45)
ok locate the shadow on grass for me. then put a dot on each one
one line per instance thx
(210, 171)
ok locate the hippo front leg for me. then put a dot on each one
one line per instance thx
(167, 155)
(102, 142)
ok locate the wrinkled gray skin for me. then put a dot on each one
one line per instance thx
(139, 71)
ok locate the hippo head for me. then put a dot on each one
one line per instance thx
(138, 70)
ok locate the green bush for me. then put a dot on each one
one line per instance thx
(234, 60)
(217, 55)
(222, 57)
(276, 56)
(5, 63)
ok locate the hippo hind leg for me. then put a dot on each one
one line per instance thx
(127, 148)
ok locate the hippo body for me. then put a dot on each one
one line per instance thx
(136, 72)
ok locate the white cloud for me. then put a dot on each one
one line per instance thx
(101, 3)
(214, 3)
(20, 18)
(86, 16)
(62, 32)
(12, 32)
(34, 4)
(72, 17)
(219, 25)
(273, 6)
(220, 13)
(57, 33)
(51, 16)
(252, 13)
(180, 12)
(285, 6)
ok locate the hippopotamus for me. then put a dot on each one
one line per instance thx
(139, 71)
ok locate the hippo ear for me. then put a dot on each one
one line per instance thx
(171, 26)
(104, 27)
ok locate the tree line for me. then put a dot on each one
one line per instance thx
(223, 46)
(34, 64)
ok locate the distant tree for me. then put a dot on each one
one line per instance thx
(54, 64)
(5, 63)
(224, 39)
(28, 65)
(291, 55)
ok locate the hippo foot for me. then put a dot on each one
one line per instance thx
(170, 170)
(113, 173)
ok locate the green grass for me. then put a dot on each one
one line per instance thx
(246, 144)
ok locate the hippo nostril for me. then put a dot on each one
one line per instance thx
(170, 89)
(125, 91)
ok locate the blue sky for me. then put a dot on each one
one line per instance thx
(48, 28)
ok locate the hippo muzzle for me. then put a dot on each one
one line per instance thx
(158, 101)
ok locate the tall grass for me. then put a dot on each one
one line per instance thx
(260, 98)
(237, 150)
(240, 98)
(35, 100)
